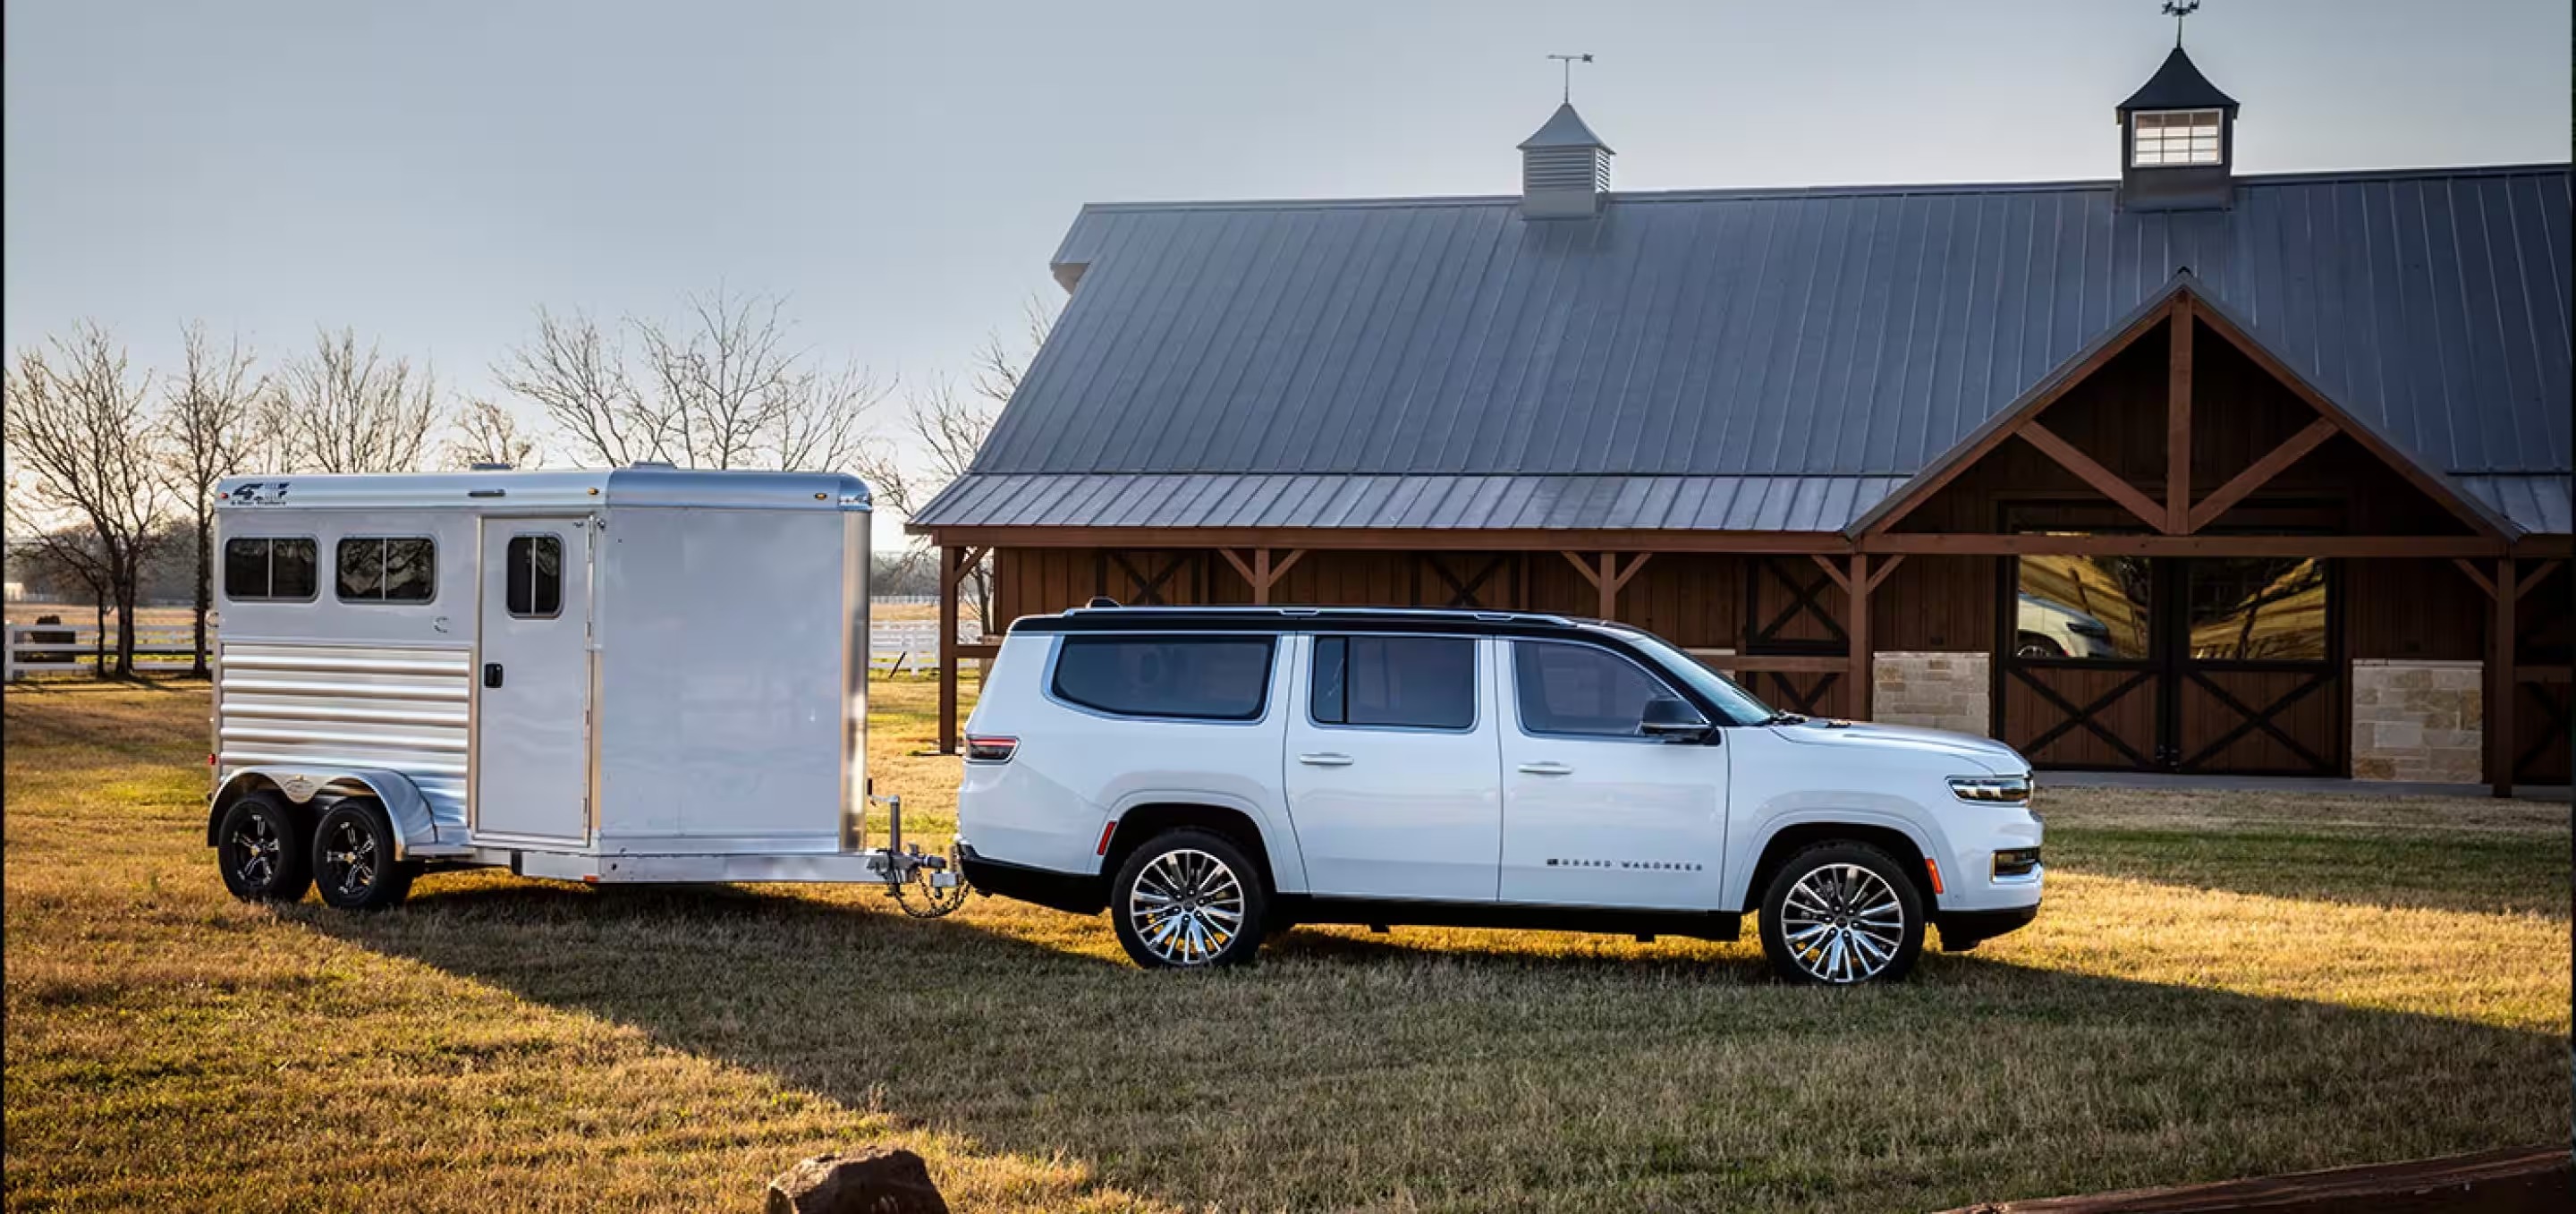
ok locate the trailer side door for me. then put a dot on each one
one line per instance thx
(532, 682)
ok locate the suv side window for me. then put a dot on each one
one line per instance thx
(1581, 691)
(1197, 678)
(1399, 682)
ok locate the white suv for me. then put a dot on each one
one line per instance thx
(1211, 775)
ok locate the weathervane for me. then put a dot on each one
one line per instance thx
(1570, 60)
(2178, 12)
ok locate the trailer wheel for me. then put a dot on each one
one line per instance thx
(262, 852)
(1189, 899)
(353, 858)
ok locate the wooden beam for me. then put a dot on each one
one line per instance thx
(2532, 580)
(951, 571)
(1280, 569)
(1261, 576)
(1249, 579)
(2094, 474)
(1608, 583)
(2502, 689)
(2178, 418)
(2184, 545)
(2404, 465)
(2261, 472)
(1856, 627)
(1583, 567)
(2471, 569)
(1634, 564)
(1833, 572)
(1885, 567)
(1784, 663)
(2041, 395)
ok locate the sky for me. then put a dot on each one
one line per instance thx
(431, 173)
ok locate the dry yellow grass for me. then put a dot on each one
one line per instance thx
(2220, 986)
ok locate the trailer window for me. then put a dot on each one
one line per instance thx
(1212, 678)
(388, 569)
(1395, 682)
(535, 589)
(268, 569)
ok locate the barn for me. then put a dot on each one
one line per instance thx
(2186, 470)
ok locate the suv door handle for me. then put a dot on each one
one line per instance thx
(1547, 769)
(1325, 760)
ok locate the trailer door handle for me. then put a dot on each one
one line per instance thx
(491, 674)
(1546, 769)
(1325, 760)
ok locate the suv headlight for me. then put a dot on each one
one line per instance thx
(2002, 790)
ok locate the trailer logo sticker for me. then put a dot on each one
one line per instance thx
(258, 493)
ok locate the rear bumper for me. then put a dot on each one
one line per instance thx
(1962, 930)
(1072, 893)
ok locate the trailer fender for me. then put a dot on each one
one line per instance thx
(414, 824)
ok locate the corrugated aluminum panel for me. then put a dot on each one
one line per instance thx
(2534, 503)
(402, 709)
(1850, 333)
(1697, 503)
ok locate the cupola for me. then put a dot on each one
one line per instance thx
(1565, 169)
(2177, 141)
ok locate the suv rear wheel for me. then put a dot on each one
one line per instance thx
(1842, 913)
(1189, 899)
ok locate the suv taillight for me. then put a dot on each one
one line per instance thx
(990, 748)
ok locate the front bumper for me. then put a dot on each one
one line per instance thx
(1962, 930)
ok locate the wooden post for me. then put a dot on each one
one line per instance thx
(952, 568)
(1862, 677)
(2178, 420)
(2501, 683)
(1608, 584)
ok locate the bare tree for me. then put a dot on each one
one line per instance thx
(488, 433)
(343, 409)
(85, 433)
(212, 425)
(943, 429)
(721, 386)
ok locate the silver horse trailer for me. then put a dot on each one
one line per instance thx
(640, 675)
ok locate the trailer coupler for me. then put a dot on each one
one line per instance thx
(927, 885)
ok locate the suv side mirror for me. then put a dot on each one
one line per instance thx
(1672, 719)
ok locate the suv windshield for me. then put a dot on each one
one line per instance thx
(1738, 706)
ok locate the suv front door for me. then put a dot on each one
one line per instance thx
(1391, 773)
(1594, 812)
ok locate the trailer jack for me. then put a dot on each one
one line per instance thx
(927, 885)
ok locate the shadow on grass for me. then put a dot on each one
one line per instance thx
(1515, 1071)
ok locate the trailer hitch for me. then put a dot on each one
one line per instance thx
(927, 885)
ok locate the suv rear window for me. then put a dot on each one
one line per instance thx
(1212, 678)
(1399, 682)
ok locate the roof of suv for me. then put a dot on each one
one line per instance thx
(1300, 619)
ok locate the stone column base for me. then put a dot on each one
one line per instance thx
(1949, 691)
(2418, 720)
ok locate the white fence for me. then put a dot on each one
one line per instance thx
(894, 647)
(69, 649)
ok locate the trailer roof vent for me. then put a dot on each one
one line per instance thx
(488, 467)
(652, 463)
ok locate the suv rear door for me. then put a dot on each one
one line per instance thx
(1595, 813)
(1392, 775)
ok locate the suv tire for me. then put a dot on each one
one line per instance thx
(1842, 913)
(1189, 899)
(261, 851)
(353, 858)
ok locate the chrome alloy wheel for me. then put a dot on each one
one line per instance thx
(349, 860)
(1186, 907)
(257, 847)
(1842, 923)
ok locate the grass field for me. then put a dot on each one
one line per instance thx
(2222, 985)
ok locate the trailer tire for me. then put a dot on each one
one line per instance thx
(261, 850)
(353, 858)
(1213, 878)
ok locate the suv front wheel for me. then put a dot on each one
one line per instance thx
(1842, 913)
(1188, 899)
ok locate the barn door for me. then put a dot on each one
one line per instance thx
(2208, 665)
(1792, 608)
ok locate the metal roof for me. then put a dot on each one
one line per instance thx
(1698, 503)
(519, 491)
(2178, 85)
(1708, 338)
